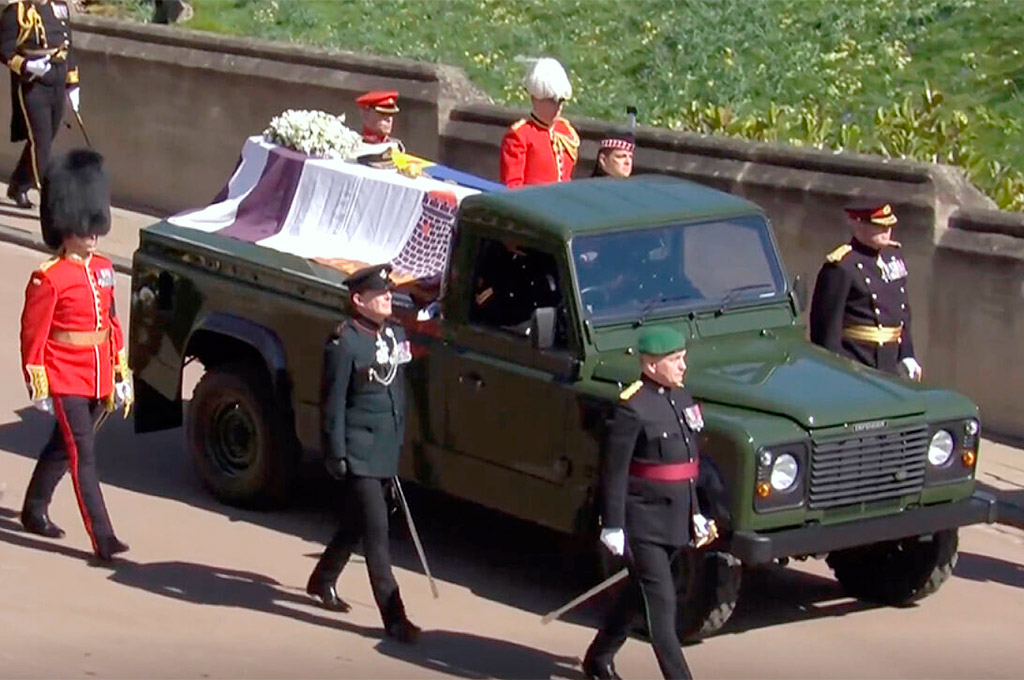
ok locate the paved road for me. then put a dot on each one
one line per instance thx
(210, 591)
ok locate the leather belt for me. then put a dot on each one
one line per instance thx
(81, 338)
(664, 472)
(879, 335)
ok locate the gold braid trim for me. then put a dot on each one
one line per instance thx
(72, 78)
(568, 142)
(39, 384)
(121, 370)
(627, 393)
(122, 374)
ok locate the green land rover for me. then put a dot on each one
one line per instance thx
(821, 456)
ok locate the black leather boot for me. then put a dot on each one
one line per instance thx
(598, 670)
(108, 546)
(39, 523)
(324, 591)
(397, 625)
(19, 196)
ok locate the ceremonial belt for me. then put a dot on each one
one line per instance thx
(879, 335)
(664, 472)
(81, 338)
(55, 53)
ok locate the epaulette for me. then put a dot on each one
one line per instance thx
(53, 260)
(628, 393)
(839, 253)
(518, 124)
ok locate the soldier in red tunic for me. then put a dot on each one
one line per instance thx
(72, 345)
(378, 109)
(544, 147)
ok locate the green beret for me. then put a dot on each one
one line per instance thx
(657, 341)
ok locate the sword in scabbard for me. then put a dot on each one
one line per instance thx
(100, 419)
(415, 535)
(81, 125)
(583, 597)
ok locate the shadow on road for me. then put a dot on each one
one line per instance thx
(989, 570)
(454, 653)
(465, 655)
(775, 595)
(495, 557)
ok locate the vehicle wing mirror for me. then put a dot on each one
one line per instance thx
(542, 328)
(798, 291)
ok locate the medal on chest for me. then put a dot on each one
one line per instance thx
(105, 278)
(389, 355)
(892, 269)
(694, 417)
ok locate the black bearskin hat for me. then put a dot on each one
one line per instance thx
(75, 197)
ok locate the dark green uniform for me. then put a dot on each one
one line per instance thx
(363, 423)
(364, 397)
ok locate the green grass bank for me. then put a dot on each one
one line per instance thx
(932, 80)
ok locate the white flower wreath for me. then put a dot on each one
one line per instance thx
(316, 133)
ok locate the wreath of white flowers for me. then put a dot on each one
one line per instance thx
(315, 133)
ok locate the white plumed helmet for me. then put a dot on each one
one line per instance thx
(546, 79)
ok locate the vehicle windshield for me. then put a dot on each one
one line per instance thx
(631, 275)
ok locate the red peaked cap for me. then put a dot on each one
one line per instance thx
(381, 101)
(878, 214)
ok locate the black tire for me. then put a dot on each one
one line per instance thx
(897, 572)
(708, 584)
(242, 445)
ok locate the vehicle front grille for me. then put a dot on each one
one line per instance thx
(866, 467)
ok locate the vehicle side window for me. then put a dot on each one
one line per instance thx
(509, 282)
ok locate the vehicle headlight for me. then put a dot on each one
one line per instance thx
(784, 472)
(971, 428)
(940, 448)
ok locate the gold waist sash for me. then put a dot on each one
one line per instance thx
(880, 335)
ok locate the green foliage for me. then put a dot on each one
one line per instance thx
(936, 80)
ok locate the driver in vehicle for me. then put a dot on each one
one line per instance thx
(512, 282)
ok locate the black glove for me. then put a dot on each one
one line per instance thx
(336, 467)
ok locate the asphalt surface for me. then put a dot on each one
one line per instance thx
(209, 591)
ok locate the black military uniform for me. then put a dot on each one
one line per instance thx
(648, 484)
(29, 30)
(512, 284)
(860, 307)
(363, 426)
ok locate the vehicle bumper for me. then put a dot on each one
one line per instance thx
(759, 548)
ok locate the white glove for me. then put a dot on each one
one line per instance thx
(909, 368)
(45, 405)
(124, 393)
(38, 67)
(614, 540)
(700, 525)
(75, 95)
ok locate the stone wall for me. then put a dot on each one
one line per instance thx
(976, 331)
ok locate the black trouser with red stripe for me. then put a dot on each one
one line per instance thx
(71, 448)
(43, 108)
(650, 589)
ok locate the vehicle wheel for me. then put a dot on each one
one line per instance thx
(897, 572)
(242, 446)
(708, 583)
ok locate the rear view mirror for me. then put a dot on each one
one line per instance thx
(542, 328)
(798, 293)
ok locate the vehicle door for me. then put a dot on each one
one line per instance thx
(506, 400)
